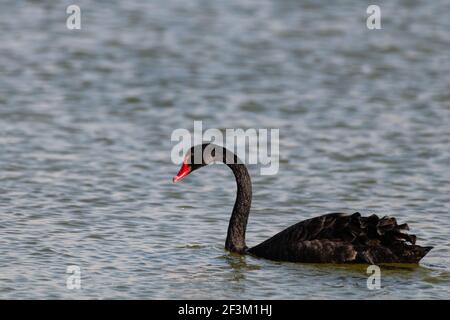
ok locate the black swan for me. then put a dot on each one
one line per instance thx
(331, 238)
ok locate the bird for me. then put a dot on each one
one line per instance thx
(330, 238)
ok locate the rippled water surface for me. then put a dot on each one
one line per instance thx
(86, 118)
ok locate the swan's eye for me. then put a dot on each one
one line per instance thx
(209, 154)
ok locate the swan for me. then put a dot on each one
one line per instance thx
(330, 238)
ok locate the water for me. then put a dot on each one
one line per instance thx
(86, 118)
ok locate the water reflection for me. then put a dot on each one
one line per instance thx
(85, 124)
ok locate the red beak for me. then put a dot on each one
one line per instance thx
(184, 171)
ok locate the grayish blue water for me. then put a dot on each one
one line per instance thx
(86, 118)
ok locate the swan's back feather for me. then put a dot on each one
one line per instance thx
(339, 238)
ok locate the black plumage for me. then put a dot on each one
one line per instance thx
(341, 238)
(331, 238)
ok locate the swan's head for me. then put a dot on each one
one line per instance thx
(198, 156)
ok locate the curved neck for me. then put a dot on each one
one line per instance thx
(238, 222)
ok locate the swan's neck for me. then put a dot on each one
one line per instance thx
(238, 222)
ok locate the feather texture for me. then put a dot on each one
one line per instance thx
(341, 238)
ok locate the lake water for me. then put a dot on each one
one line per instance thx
(86, 118)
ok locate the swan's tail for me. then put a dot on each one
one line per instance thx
(379, 238)
(413, 253)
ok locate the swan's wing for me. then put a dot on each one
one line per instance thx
(338, 237)
(314, 251)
